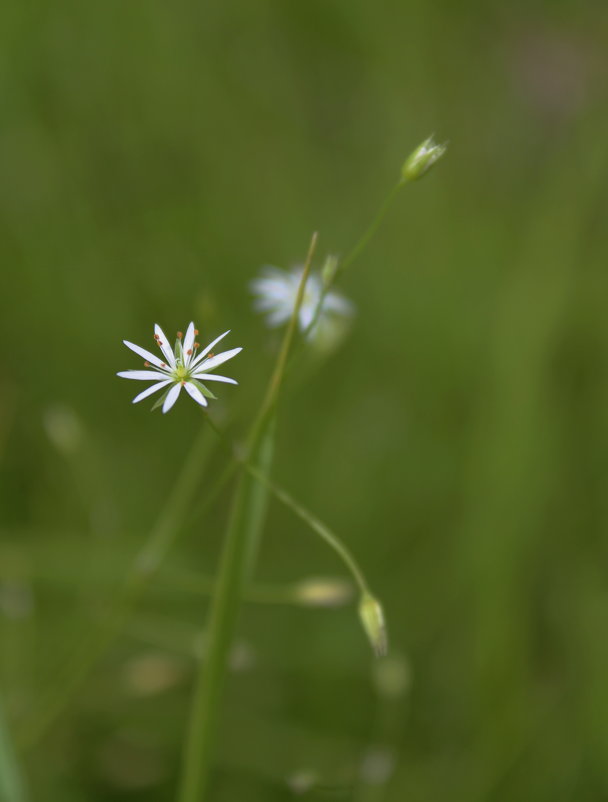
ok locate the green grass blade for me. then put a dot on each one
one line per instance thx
(12, 787)
(238, 553)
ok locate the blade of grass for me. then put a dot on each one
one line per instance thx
(238, 553)
(359, 246)
(12, 786)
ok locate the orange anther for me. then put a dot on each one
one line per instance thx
(146, 364)
(162, 364)
(195, 331)
(209, 355)
(179, 335)
(197, 345)
(189, 351)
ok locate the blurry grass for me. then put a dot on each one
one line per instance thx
(12, 788)
(151, 158)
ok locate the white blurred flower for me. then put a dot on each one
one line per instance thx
(276, 291)
(181, 367)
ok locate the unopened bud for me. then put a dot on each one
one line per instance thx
(422, 159)
(322, 592)
(329, 270)
(372, 618)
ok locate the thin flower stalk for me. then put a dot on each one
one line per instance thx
(343, 264)
(317, 526)
(371, 612)
(416, 165)
(12, 784)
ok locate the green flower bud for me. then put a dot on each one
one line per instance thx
(422, 159)
(329, 270)
(372, 618)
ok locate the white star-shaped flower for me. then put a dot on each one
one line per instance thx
(184, 366)
(276, 291)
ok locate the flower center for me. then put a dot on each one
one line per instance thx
(181, 373)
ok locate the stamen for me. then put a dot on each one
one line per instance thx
(162, 364)
(189, 351)
(146, 364)
(183, 384)
(195, 332)
(197, 345)
(156, 336)
(210, 354)
(180, 334)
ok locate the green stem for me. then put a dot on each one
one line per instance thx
(321, 529)
(354, 252)
(161, 539)
(243, 530)
(371, 229)
(276, 380)
(316, 525)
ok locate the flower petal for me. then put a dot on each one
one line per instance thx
(163, 342)
(338, 303)
(206, 350)
(213, 377)
(196, 394)
(209, 364)
(142, 375)
(188, 343)
(307, 315)
(149, 390)
(171, 397)
(147, 355)
(278, 316)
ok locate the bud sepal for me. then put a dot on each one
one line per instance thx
(374, 624)
(422, 159)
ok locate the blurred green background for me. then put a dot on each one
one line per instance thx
(153, 156)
